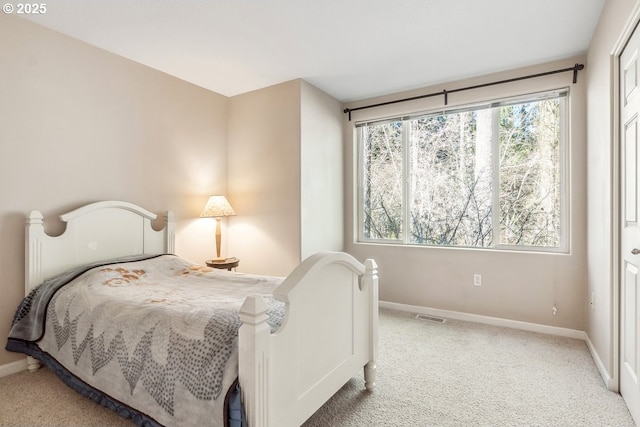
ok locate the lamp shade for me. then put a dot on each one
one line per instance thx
(216, 207)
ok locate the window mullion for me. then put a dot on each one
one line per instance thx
(406, 177)
(495, 176)
(360, 183)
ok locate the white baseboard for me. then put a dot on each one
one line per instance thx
(604, 373)
(13, 367)
(495, 321)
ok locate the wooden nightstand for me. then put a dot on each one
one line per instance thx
(225, 264)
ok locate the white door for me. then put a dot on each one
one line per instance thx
(630, 227)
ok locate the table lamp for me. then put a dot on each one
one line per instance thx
(217, 207)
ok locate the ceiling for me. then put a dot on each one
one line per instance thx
(351, 49)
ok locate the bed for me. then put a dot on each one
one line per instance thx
(299, 339)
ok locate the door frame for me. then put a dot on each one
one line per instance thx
(623, 38)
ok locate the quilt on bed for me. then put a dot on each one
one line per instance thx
(157, 334)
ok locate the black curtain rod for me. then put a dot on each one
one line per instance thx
(445, 93)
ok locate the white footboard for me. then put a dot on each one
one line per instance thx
(330, 333)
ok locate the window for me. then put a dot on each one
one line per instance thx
(488, 176)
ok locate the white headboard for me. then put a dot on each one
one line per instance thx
(97, 231)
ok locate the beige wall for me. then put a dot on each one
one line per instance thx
(264, 178)
(600, 160)
(285, 176)
(78, 125)
(321, 178)
(516, 285)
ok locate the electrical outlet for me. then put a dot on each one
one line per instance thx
(477, 280)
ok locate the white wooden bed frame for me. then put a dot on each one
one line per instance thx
(329, 333)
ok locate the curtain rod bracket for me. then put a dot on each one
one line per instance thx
(575, 72)
(446, 97)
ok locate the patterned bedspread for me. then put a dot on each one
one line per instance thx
(158, 335)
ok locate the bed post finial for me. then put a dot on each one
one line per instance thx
(253, 371)
(34, 217)
(370, 279)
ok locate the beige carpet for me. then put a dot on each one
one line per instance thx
(451, 374)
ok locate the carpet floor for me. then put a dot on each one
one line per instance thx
(429, 374)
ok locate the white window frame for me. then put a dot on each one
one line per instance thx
(564, 148)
